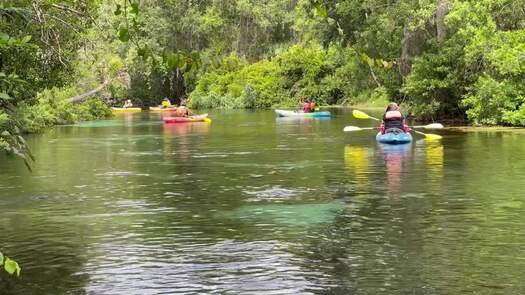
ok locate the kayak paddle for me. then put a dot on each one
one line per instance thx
(428, 136)
(430, 126)
(207, 120)
(355, 128)
(362, 115)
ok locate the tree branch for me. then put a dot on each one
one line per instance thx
(69, 9)
(84, 96)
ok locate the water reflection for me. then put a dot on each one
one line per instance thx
(395, 159)
(309, 125)
(434, 160)
(177, 138)
(261, 206)
(357, 163)
(223, 267)
(184, 129)
(289, 214)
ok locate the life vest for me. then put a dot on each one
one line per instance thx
(166, 103)
(391, 121)
(182, 111)
(307, 107)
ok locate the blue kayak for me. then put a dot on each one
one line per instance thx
(394, 136)
(283, 113)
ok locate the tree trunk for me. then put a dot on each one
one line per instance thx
(443, 8)
(411, 47)
(178, 86)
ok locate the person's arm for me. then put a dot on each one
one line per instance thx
(405, 126)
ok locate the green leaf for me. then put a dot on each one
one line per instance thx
(364, 57)
(174, 61)
(12, 266)
(3, 37)
(143, 52)
(25, 39)
(123, 34)
(135, 7)
(118, 11)
(4, 96)
(370, 62)
(320, 10)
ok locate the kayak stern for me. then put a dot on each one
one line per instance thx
(399, 137)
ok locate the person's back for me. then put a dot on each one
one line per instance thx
(307, 107)
(128, 104)
(182, 111)
(393, 119)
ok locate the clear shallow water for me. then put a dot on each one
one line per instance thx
(251, 204)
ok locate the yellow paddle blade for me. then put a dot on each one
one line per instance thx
(360, 115)
(207, 120)
(432, 136)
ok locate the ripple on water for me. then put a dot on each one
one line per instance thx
(228, 266)
(272, 193)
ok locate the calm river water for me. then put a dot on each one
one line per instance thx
(251, 204)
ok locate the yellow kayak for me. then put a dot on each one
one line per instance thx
(126, 110)
(157, 109)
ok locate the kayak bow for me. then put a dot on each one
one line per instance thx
(196, 118)
(157, 109)
(126, 110)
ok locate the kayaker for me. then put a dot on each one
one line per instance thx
(393, 119)
(312, 104)
(183, 101)
(182, 111)
(128, 104)
(166, 103)
(308, 106)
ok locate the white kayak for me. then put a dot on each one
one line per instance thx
(285, 113)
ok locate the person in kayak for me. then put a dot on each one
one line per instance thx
(128, 104)
(183, 101)
(183, 111)
(308, 106)
(166, 103)
(393, 119)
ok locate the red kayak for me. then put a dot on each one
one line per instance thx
(196, 118)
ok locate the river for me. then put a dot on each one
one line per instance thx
(251, 204)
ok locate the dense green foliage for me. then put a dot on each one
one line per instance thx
(444, 58)
(39, 46)
(54, 108)
(439, 58)
(303, 70)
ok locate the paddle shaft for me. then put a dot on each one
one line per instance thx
(415, 131)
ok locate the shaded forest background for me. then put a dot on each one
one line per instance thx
(64, 61)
